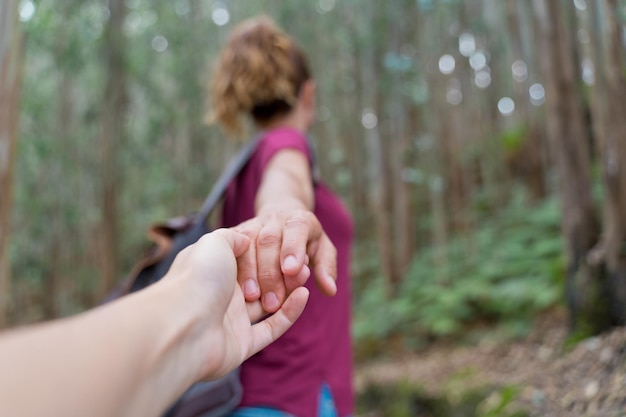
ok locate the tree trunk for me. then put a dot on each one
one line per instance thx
(357, 153)
(569, 142)
(431, 152)
(527, 159)
(10, 83)
(396, 146)
(613, 154)
(112, 136)
(378, 161)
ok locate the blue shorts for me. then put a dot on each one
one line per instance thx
(326, 408)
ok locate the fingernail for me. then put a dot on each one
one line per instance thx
(270, 301)
(290, 262)
(250, 287)
(333, 284)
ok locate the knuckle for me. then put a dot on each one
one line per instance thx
(245, 266)
(269, 238)
(298, 220)
(268, 276)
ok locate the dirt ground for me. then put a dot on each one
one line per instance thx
(589, 379)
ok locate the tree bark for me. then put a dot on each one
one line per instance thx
(111, 139)
(357, 153)
(527, 160)
(11, 60)
(613, 154)
(569, 142)
(380, 197)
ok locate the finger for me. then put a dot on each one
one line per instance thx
(255, 311)
(238, 242)
(291, 283)
(246, 263)
(270, 329)
(269, 274)
(301, 228)
(324, 260)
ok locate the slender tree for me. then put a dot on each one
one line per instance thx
(111, 139)
(570, 147)
(10, 81)
(527, 158)
(608, 107)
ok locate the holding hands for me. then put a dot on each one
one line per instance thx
(285, 246)
(136, 355)
(227, 332)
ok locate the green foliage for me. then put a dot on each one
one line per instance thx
(513, 139)
(503, 274)
(399, 400)
(497, 404)
(404, 399)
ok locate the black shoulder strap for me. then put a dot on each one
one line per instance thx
(233, 168)
(199, 227)
(315, 169)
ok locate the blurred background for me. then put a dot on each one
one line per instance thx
(479, 145)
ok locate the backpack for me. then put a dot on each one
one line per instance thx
(204, 399)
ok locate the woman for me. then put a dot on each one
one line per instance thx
(261, 74)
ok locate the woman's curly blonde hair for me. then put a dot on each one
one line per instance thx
(259, 73)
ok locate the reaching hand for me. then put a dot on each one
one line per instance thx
(210, 266)
(283, 246)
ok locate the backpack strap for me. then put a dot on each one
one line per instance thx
(315, 169)
(232, 169)
(197, 227)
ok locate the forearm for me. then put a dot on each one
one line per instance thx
(286, 184)
(281, 202)
(124, 359)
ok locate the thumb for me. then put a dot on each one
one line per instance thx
(270, 329)
(238, 242)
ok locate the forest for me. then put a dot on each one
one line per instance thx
(480, 146)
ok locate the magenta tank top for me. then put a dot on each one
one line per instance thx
(317, 350)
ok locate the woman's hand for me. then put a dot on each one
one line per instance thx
(285, 246)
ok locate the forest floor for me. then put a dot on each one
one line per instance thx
(536, 376)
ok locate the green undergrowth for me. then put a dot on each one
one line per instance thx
(491, 282)
(406, 400)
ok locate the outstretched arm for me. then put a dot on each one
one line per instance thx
(135, 356)
(287, 238)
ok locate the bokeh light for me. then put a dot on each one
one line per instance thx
(137, 21)
(467, 44)
(478, 61)
(324, 6)
(369, 119)
(519, 70)
(482, 78)
(537, 94)
(454, 95)
(182, 7)
(159, 44)
(446, 64)
(220, 14)
(506, 106)
(580, 5)
(26, 10)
